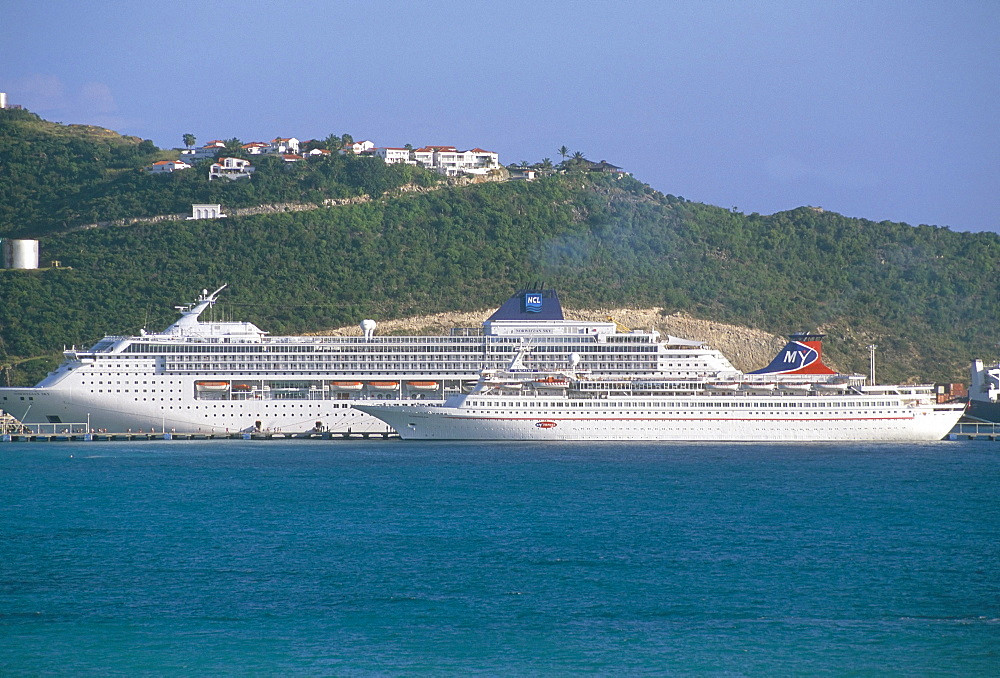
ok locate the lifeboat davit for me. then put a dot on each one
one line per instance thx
(212, 385)
(346, 385)
(423, 385)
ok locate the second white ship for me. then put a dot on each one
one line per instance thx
(790, 400)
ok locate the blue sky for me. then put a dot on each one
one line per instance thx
(882, 110)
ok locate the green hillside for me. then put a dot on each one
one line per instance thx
(921, 294)
(55, 178)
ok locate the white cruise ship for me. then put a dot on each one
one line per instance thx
(207, 376)
(521, 403)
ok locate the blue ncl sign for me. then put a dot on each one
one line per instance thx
(533, 303)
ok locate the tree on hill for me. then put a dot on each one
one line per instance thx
(189, 140)
(333, 143)
(564, 152)
(234, 147)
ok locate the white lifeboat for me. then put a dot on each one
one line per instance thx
(797, 388)
(510, 386)
(722, 386)
(757, 388)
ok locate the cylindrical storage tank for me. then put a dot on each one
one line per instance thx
(20, 254)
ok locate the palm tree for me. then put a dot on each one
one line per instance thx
(563, 151)
(333, 143)
(234, 146)
(189, 140)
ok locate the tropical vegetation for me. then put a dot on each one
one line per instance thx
(921, 293)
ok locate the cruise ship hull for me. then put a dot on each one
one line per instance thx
(59, 407)
(447, 423)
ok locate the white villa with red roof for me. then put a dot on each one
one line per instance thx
(230, 168)
(167, 166)
(450, 161)
(393, 156)
(357, 147)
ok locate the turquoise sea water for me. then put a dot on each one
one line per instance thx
(388, 557)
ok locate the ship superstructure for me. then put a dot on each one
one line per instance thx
(207, 375)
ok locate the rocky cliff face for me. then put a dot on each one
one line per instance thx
(748, 349)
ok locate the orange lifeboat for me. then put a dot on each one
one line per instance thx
(346, 385)
(551, 382)
(383, 385)
(423, 385)
(212, 385)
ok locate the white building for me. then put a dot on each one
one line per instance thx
(257, 148)
(450, 161)
(289, 145)
(230, 168)
(357, 147)
(167, 166)
(206, 212)
(394, 155)
(209, 150)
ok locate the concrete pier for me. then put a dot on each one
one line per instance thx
(46, 437)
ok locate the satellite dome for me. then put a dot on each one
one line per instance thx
(368, 325)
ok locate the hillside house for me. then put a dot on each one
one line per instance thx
(281, 145)
(393, 156)
(257, 148)
(230, 168)
(450, 161)
(209, 150)
(167, 166)
(605, 167)
(202, 211)
(357, 148)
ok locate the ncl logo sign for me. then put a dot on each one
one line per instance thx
(533, 303)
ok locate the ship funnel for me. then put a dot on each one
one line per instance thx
(803, 354)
